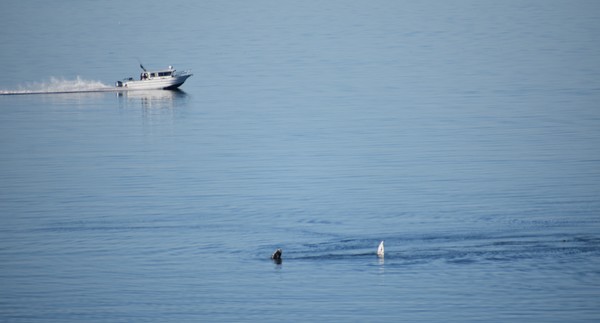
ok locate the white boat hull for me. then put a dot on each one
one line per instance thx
(155, 83)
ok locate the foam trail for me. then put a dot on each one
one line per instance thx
(56, 85)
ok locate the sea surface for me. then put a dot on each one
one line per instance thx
(464, 134)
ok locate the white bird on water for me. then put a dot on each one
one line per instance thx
(380, 251)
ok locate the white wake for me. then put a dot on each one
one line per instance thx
(57, 85)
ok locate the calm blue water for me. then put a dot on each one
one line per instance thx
(466, 134)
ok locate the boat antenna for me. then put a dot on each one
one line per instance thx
(142, 66)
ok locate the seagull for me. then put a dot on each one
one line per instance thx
(380, 250)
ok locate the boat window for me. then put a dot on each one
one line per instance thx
(164, 73)
(152, 74)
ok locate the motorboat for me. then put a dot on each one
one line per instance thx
(167, 79)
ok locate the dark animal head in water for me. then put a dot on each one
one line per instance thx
(277, 254)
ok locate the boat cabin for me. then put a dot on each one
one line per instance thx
(160, 74)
